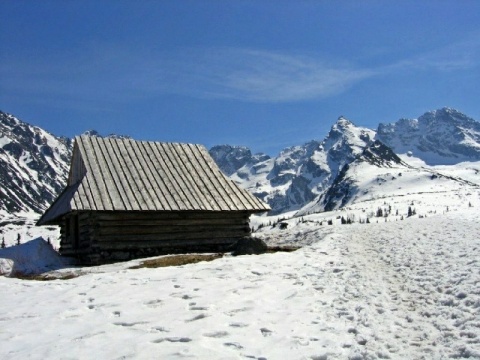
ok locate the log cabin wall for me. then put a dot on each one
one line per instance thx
(110, 236)
(76, 234)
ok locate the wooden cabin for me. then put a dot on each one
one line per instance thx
(127, 199)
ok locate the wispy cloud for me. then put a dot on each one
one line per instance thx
(114, 74)
(461, 55)
(255, 75)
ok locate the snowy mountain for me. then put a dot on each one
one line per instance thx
(378, 176)
(315, 176)
(440, 137)
(322, 176)
(298, 174)
(33, 166)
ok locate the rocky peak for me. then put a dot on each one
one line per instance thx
(33, 165)
(232, 158)
(444, 136)
(380, 155)
(91, 133)
(112, 136)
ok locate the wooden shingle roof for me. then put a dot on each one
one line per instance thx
(109, 174)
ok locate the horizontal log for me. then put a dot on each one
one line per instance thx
(170, 236)
(142, 230)
(73, 252)
(179, 222)
(139, 215)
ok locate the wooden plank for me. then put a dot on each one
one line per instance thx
(143, 169)
(167, 177)
(156, 192)
(77, 167)
(194, 185)
(125, 192)
(241, 198)
(172, 229)
(109, 176)
(90, 187)
(210, 191)
(220, 182)
(167, 215)
(137, 176)
(184, 186)
(173, 236)
(101, 173)
(175, 222)
(81, 200)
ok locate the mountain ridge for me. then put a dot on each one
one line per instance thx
(299, 178)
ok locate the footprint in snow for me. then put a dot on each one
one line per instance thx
(198, 317)
(125, 324)
(153, 303)
(160, 329)
(238, 325)
(266, 332)
(173, 340)
(216, 334)
(234, 345)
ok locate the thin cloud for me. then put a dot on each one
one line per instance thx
(260, 76)
(111, 74)
(462, 55)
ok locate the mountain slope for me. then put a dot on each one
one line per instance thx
(440, 137)
(299, 173)
(33, 165)
(378, 176)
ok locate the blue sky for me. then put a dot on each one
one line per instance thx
(264, 74)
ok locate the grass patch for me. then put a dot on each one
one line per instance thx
(45, 277)
(176, 260)
(282, 248)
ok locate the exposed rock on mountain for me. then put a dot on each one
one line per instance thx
(439, 137)
(351, 164)
(232, 158)
(33, 165)
(298, 174)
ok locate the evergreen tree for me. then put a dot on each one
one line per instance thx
(3, 246)
(379, 212)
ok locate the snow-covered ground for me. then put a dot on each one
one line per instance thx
(23, 224)
(390, 290)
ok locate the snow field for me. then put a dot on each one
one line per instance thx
(393, 290)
